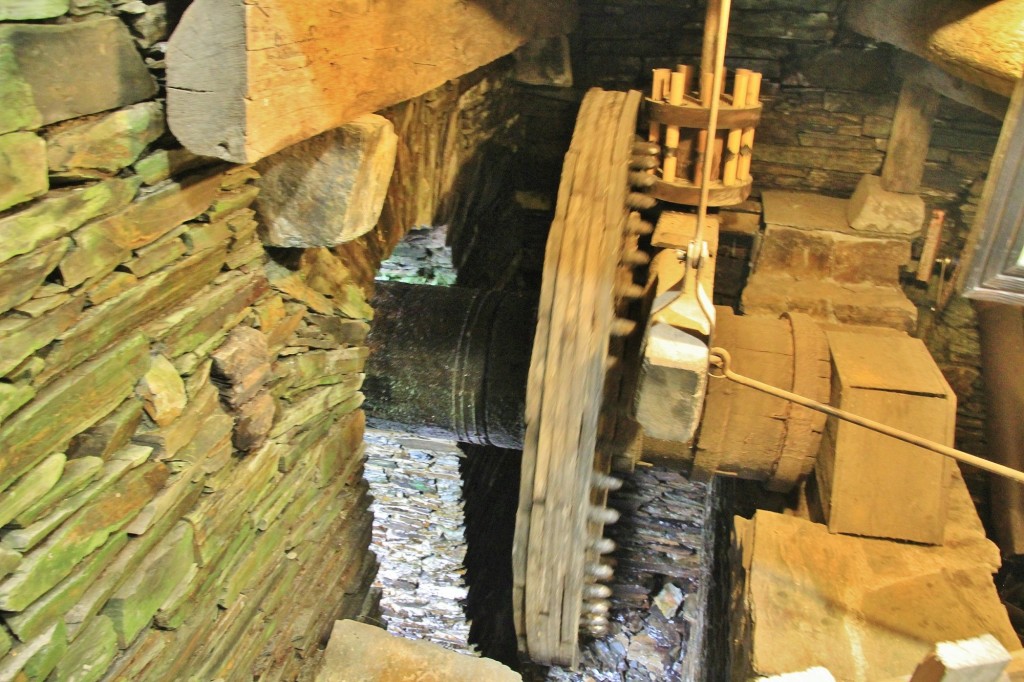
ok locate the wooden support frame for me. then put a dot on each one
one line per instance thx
(911, 132)
(246, 78)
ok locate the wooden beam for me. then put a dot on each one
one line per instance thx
(912, 67)
(246, 78)
(908, 142)
(976, 40)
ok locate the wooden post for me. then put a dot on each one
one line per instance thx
(739, 99)
(931, 245)
(659, 91)
(911, 133)
(747, 140)
(702, 136)
(675, 96)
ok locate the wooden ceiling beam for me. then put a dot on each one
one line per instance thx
(246, 78)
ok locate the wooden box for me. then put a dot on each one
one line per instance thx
(871, 484)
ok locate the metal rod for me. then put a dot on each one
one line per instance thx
(721, 360)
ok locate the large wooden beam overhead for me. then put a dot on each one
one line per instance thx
(246, 78)
(980, 41)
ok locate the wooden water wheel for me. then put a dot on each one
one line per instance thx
(580, 385)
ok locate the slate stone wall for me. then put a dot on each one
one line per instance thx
(829, 97)
(181, 439)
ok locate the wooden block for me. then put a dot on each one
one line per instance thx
(871, 484)
(246, 79)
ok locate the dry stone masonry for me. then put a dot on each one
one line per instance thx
(181, 492)
(419, 536)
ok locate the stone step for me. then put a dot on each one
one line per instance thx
(810, 236)
(828, 301)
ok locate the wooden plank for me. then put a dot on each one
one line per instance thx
(249, 77)
(908, 143)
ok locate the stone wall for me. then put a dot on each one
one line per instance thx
(829, 97)
(181, 489)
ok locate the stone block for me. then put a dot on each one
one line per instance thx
(25, 337)
(242, 365)
(88, 657)
(70, 70)
(101, 245)
(32, 486)
(162, 391)
(328, 189)
(24, 539)
(52, 606)
(70, 405)
(370, 654)
(162, 164)
(801, 254)
(864, 304)
(29, 10)
(137, 600)
(110, 434)
(255, 418)
(76, 475)
(13, 396)
(673, 380)
(60, 213)
(35, 659)
(23, 174)
(86, 531)
(874, 261)
(105, 143)
(893, 380)
(872, 209)
(806, 210)
(865, 608)
(22, 275)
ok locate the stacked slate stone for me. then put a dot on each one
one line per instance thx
(418, 535)
(659, 593)
(180, 427)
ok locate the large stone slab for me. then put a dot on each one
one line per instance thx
(329, 189)
(69, 70)
(866, 609)
(805, 210)
(827, 255)
(872, 209)
(23, 173)
(830, 302)
(357, 651)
